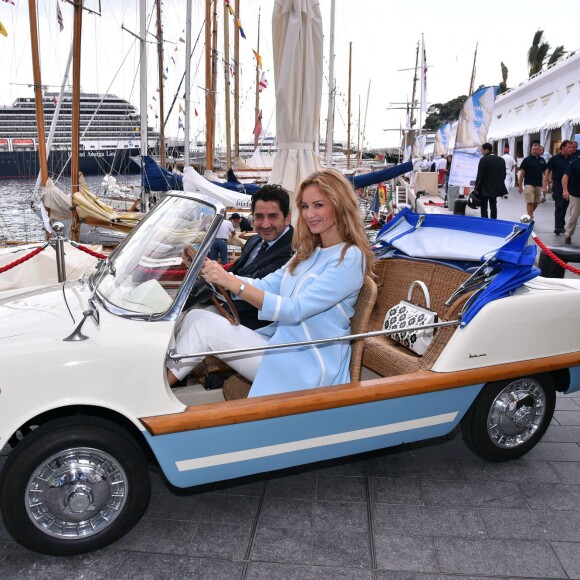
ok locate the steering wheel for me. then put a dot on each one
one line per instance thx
(232, 316)
(188, 253)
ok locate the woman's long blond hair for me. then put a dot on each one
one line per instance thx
(339, 192)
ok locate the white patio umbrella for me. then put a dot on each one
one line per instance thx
(297, 38)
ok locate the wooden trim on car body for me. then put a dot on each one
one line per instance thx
(280, 405)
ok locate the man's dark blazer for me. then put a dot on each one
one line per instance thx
(272, 259)
(490, 180)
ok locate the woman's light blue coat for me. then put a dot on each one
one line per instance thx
(317, 301)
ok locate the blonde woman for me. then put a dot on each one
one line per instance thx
(311, 297)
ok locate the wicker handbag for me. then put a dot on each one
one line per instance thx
(406, 314)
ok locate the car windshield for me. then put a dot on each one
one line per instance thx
(145, 273)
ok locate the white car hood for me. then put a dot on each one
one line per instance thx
(40, 310)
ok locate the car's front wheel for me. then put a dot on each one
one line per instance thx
(75, 486)
(509, 417)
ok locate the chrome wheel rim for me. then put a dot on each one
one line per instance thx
(76, 493)
(516, 413)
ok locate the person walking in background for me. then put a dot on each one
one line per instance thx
(490, 181)
(574, 149)
(441, 169)
(220, 243)
(571, 193)
(543, 153)
(510, 165)
(554, 173)
(530, 179)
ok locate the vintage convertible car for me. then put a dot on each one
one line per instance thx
(85, 405)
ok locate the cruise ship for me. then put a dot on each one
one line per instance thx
(109, 128)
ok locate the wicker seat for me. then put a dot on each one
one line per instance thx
(237, 387)
(382, 354)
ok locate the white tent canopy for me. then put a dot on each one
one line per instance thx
(538, 121)
(561, 114)
(297, 37)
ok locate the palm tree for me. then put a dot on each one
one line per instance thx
(538, 54)
(558, 52)
(504, 75)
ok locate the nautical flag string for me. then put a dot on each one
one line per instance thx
(263, 82)
(59, 19)
(10, 2)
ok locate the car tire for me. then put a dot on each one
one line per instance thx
(509, 417)
(74, 486)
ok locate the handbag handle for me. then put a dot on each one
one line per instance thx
(423, 287)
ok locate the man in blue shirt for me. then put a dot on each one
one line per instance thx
(531, 172)
(555, 170)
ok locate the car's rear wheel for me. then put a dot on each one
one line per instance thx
(75, 486)
(509, 417)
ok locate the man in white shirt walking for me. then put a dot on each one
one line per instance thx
(510, 165)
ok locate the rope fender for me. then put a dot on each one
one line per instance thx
(553, 256)
(23, 259)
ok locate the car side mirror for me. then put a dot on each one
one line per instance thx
(91, 312)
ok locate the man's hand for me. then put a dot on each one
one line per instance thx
(566, 195)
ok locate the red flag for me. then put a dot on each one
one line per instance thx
(258, 127)
(54, 100)
(195, 111)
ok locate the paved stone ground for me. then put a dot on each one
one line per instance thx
(432, 510)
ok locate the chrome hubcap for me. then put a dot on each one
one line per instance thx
(516, 413)
(76, 493)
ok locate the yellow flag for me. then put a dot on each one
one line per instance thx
(3, 30)
(258, 58)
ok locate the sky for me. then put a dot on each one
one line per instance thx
(384, 36)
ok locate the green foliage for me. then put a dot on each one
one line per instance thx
(558, 53)
(539, 53)
(504, 75)
(440, 113)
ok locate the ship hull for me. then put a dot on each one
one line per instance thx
(25, 164)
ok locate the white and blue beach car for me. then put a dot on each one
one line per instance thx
(85, 406)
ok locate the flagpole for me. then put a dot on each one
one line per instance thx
(348, 114)
(213, 89)
(330, 116)
(237, 84)
(423, 87)
(75, 112)
(160, 67)
(227, 87)
(38, 92)
(257, 107)
(187, 113)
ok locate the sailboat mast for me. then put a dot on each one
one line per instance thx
(227, 87)
(208, 109)
(213, 90)
(257, 107)
(237, 84)
(187, 113)
(358, 157)
(38, 92)
(331, 92)
(414, 94)
(366, 111)
(348, 114)
(160, 67)
(76, 110)
(472, 81)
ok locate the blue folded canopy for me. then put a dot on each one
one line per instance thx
(466, 240)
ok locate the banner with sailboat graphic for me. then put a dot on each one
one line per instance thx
(443, 139)
(474, 122)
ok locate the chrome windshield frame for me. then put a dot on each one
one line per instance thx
(177, 305)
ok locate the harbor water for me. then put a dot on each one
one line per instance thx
(19, 219)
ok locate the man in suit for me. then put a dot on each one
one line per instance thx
(490, 180)
(267, 251)
(263, 253)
